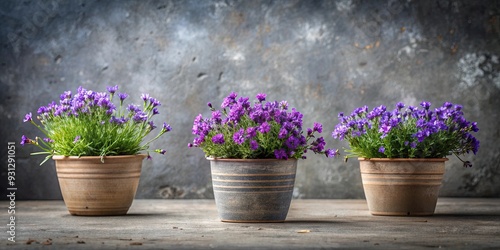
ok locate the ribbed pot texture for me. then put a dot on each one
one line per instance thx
(253, 190)
(90, 187)
(400, 186)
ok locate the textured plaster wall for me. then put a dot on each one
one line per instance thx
(323, 57)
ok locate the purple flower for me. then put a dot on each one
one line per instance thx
(133, 108)
(331, 153)
(264, 128)
(65, 96)
(122, 96)
(155, 111)
(27, 118)
(381, 149)
(318, 127)
(254, 145)
(162, 151)
(140, 117)
(474, 127)
(283, 133)
(251, 132)
(229, 100)
(25, 140)
(145, 97)
(217, 116)
(236, 112)
(292, 142)
(319, 145)
(166, 127)
(283, 105)
(261, 97)
(280, 154)
(425, 105)
(77, 138)
(112, 90)
(154, 102)
(239, 137)
(243, 102)
(218, 139)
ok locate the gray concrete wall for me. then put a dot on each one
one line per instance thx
(323, 57)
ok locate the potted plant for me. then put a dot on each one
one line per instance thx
(402, 153)
(98, 148)
(253, 152)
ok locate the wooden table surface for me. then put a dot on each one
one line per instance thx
(459, 223)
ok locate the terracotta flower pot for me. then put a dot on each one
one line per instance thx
(400, 186)
(90, 187)
(253, 190)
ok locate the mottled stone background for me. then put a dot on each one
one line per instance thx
(323, 57)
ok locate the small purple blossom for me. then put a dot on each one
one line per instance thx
(77, 138)
(112, 89)
(254, 145)
(264, 128)
(166, 127)
(239, 137)
(381, 149)
(425, 105)
(140, 117)
(218, 139)
(154, 102)
(331, 153)
(145, 97)
(318, 127)
(251, 132)
(261, 97)
(280, 154)
(122, 96)
(27, 118)
(25, 140)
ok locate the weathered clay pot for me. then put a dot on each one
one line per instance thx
(401, 186)
(253, 190)
(90, 187)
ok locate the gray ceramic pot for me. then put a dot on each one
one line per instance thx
(253, 190)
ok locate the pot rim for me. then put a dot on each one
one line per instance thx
(73, 157)
(246, 160)
(403, 159)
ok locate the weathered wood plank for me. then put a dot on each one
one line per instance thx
(188, 224)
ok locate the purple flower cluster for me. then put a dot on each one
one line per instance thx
(89, 108)
(418, 126)
(89, 102)
(256, 127)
